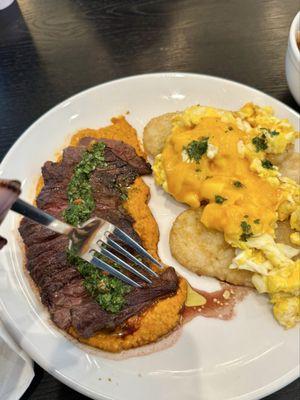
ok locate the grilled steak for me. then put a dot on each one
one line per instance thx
(88, 318)
(60, 284)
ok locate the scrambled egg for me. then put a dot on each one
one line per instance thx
(220, 159)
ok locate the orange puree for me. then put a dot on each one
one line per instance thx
(145, 225)
(120, 130)
(163, 316)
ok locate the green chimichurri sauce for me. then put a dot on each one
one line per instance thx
(80, 196)
(108, 291)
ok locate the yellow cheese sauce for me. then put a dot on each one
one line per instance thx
(192, 182)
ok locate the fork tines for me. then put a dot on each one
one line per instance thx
(107, 245)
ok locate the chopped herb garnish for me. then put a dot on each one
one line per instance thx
(257, 221)
(245, 236)
(230, 128)
(124, 196)
(271, 133)
(122, 191)
(219, 199)
(108, 291)
(80, 196)
(196, 149)
(246, 229)
(267, 164)
(246, 216)
(238, 184)
(260, 142)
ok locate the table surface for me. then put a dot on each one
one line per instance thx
(52, 49)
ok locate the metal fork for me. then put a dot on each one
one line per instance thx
(92, 238)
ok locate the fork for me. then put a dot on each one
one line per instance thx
(94, 238)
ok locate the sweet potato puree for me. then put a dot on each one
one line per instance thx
(164, 315)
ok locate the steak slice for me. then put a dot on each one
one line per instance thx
(47, 247)
(53, 197)
(45, 270)
(57, 281)
(88, 319)
(32, 233)
(61, 285)
(118, 150)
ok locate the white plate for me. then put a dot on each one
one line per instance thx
(245, 358)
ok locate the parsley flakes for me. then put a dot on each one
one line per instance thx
(267, 164)
(246, 231)
(238, 184)
(271, 133)
(260, 142)
(196, 149)
(219, 199)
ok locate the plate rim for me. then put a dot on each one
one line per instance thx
(259, 393)
(172, 74)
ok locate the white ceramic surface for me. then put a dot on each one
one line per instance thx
(16, 368)
(245, 358)
(5, 3)
(292, 60)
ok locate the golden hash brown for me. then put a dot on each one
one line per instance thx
(290, 166)
(204, 251)
(156, 132)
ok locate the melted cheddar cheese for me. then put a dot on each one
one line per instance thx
(192, 182)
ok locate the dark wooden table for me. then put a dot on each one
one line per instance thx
(52, 49)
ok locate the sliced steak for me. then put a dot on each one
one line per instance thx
(47, 247)
(57, 281)
(122, 151)
(88, 319)
(166, 283)
(61, 286)
(33, 233)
